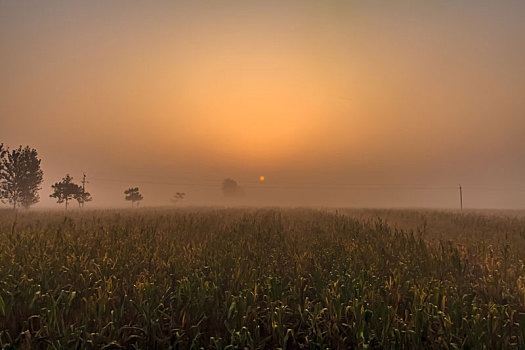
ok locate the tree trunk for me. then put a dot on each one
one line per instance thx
(66, 203)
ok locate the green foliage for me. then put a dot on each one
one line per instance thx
(257, 279)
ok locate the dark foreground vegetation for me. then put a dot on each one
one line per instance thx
(265, 278)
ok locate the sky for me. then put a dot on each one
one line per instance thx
(336, 103)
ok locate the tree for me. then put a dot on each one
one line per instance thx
(20, 176)
(2, 157)
(133, 195)
(83, 196)
(66, 190)
(230, 188)
(179, 196)
(2, 153)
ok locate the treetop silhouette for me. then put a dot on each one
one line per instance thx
(133, 195)
(66, 190)
(20, 176)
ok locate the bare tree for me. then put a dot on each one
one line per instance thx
(66, 190)
(20, 176)
(133, 195)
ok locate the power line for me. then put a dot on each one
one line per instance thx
(262, 185)
(148, 182)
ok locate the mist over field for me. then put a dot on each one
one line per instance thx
(362, 104)
(274, 174)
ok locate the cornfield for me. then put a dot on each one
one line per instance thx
(261, 279)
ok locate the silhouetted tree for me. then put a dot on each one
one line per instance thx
(133, 195)
(2, 153)
(230, 188)
(83, 196)
(66, 190)
(20, 176)
(179, 196)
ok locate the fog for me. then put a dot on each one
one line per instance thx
(361, 104)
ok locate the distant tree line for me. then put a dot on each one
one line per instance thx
(21, 178)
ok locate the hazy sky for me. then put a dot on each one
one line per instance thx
(370, 103)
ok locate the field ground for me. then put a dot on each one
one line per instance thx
(262, 279)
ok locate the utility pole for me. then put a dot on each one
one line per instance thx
(84, 182)
(461, 197)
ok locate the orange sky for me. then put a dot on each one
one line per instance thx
(176, 96)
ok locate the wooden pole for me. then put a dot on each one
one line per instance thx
(461, 197)
(83, 187)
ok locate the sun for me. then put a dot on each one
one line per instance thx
(261, 178)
